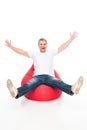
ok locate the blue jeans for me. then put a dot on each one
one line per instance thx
(44, 79)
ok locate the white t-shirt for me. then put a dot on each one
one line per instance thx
(43, 62)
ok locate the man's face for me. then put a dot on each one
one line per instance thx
(42, 45)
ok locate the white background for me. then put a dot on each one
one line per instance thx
(24, 22)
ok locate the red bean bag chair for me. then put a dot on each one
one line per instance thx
(42, 92)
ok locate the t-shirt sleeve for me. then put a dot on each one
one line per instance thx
(54, 52)
(31, 54)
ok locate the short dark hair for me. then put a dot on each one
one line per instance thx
(42, 39)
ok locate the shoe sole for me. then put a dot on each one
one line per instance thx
(79, 83)
(11, 88)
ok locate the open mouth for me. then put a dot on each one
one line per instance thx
(42, 49)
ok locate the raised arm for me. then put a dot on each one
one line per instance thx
(67, 43)
(17, 50)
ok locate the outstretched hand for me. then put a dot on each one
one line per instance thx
(73, 35)
(8, 43)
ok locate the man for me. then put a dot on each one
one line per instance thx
(44, 72)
